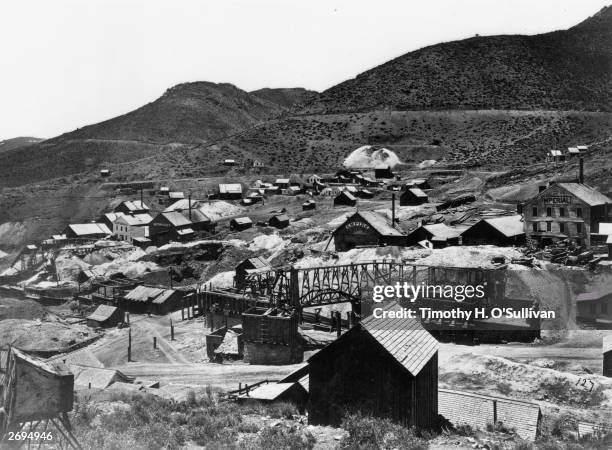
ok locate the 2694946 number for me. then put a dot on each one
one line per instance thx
(31, 436)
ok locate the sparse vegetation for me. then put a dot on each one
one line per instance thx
(366, 432)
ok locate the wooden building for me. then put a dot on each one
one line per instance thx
(230, 191)
(364, 193)
(240, 223)
(128, 227)
(279, 221)
(247, 267)
(565, 211)
(607, 355)
(230, 162)
(282, 183)
(420, 183)
(345, 198)
(366, 228)
(595, 307)
(439, 235)
(145, 299)
(108, 219)
(105, 316)
(386, 368)
(309, 205)
(86, 231)
(385, 173)
(413, 196)
(504, 231)
(170, 226)
(132, 207)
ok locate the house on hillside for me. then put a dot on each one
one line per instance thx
(230, 191)
(368, 182)
(282, 183)
(385, 368)
(279, 221)
(175, 196)
(127, 227)
(420, 183)
(595, 307)
(309, 205)
(504, 231)
(240, 223)
(170, 226)
(105, 316)
(257, 164)
(572, 152)
(345, 198)
(86, 231)
(314, 178)
(164, 190)
(230, 162)
(105, 173)
(145, 299)
(566, 211)
(108, 219)
(132, 207)
(413, 197)
(437, 235)
(367, 228)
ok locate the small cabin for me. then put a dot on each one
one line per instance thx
(282, 183)
(413, 197)
(436, 235)
(229, 162)
(240, 223)
(385, 368)
(279, 221)
(105, 173)
(105, 316)
(132, 207)
(309, 205)
(230, 191)
(345, 198)
(502, 231)
(247, 267)
(385, 173)
(87, 231)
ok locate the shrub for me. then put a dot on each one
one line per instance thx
(284, 438)
(366, 432)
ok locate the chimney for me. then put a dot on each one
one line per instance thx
(581, 172)
(393, 210)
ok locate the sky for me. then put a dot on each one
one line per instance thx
(70, 63)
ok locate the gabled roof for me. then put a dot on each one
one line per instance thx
(417, 192)
(102, 313)
(134, 205)
(509, 226)
(404, 339)
(281, 217)
(135, 220)
(97, 377)
(197, 216)
(607, 343)
(347, 195)
(183, 204)
(165, 295)
(555, 153)
(378, 222)
(258, 262)
(230, 188)
(143, 293)
(84, 229)
(273, 391)
(111, 217)
(282, 180)
(442, 231)
(573, 150)
(242, 220)
(587, 194)
(176, 218)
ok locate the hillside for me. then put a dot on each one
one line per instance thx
(11, 144)
(186, 115)
(562, 70)
(285, 97)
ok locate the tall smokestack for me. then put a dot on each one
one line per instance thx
(393, 210)
(581, 171)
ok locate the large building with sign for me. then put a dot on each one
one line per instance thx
(367, 228)
(565, 211)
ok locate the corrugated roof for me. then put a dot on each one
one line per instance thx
(176, 218)
(555, 153)
(102, 313)
(379, 223)
(111, 217)
(405, 339)
(84, 229)
(477, 410)
(587, 194)
(165, 295)
(243, 220)
(134, 205)
(442, 231)
(281, 217)
(230, 188)
(509, 226)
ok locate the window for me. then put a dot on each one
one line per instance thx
(578, 212)
(534, 226)
(579, 228)
(534, 211)
(562, 227)
(548, 226)
(549, 212)
(561, 212)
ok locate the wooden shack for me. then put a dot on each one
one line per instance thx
(146, 299)
(105, 316)
(385, 368)
(607, 356)
(87, 231)
(385, 173)
(309, 205)
(170, 226)
(438, 235)
(367, 228)
(413, 196)
(595, 307)
(230, 191)
(249, 266)
(279, 221)
(33, 389)
(502, 231)
(240, 223)
(345, 198)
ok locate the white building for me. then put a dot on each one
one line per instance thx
(126, 228)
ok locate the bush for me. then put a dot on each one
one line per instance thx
(366, 432)
(284, 438)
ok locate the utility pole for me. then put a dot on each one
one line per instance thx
(129, 345)
(189, 204)
(171, 330)
(141, 197)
